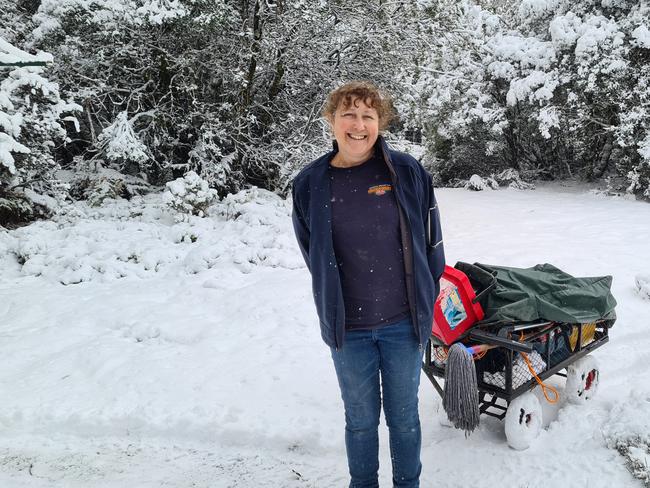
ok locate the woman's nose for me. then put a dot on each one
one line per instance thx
(359, 123)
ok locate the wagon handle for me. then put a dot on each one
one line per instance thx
(482, 336)
(483, 292)
(489, 288)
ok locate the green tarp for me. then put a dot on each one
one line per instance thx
(545, 292)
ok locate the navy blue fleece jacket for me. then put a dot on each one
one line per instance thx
(421, 235)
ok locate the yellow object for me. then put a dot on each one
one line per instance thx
(588, 334)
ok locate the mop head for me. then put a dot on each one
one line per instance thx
(460, 400)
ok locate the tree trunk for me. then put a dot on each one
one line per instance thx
(601, 166)
(255, 48)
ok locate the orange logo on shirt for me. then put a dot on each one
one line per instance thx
(379, 189)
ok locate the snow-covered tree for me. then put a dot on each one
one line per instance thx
(556, 87)
(31, 125)
(231, 89)
(121, 146)
(189, 195)
(207, 159)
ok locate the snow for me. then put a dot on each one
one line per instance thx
(7, 146)
(119, 241)
(477, 183)
(643, 285)
(189, 195)
(22, 77)
(642, 36)
(9, 123)
(524, 422)
(596, 31)
(121, 142)
(11, 55)
(564, 30)
(644, 147)
(535, 86)
(159, 11)
(189, 353)
(528, 52)
(537, 8)
(548, 117)
(107, 13)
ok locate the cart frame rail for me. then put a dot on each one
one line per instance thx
(512, 339)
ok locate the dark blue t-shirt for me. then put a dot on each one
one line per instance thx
(368, 245)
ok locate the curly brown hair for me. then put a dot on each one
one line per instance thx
(348, 93)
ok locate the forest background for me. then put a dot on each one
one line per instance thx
(141, 92)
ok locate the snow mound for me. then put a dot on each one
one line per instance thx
(512, 179)
(508, 177)
(249, 229)
(628, 431)
(476, 183)
(642, 283)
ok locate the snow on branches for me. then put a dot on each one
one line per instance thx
(189, 195)
(560, 88)
(31, 125)
(119, 143)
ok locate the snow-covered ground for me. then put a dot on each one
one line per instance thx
(143, 352)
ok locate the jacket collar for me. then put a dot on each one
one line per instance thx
(380, 145)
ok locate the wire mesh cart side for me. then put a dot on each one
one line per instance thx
(549, 348)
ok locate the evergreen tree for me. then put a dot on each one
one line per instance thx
(559, 89)
(31, 125)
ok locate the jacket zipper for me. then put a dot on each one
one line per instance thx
(407, 243)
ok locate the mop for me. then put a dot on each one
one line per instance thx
(460, 399)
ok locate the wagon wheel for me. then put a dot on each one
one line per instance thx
(582, 379)
(523, 421)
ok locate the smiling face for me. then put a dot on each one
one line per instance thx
(356, 128)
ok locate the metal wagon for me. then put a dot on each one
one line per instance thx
(516, 357)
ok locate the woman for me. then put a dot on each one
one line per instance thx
(366, 220)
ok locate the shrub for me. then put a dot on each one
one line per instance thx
(189, 195)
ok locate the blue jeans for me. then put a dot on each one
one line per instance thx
(393, 353)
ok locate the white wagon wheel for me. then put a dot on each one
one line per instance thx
(523, 421)
(582, 379)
